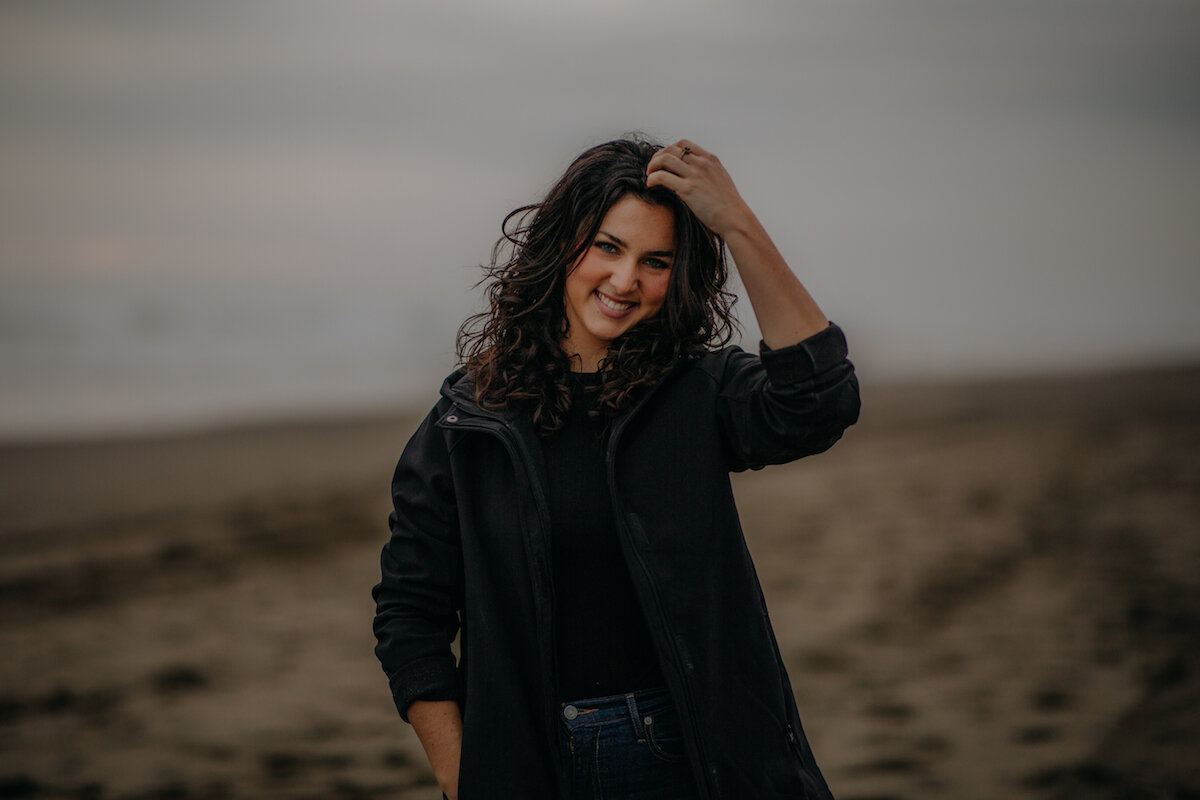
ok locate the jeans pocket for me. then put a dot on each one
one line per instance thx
(664, 736)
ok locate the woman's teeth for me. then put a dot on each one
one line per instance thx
(613, 304)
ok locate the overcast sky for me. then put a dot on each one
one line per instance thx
(963, 185)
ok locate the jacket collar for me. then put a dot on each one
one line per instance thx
(459, 389)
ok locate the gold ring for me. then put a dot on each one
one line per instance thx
(686, 150)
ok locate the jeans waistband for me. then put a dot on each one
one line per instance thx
(631, 707)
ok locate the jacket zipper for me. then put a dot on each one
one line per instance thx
(686, 713)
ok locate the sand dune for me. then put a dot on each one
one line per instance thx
(986, 590)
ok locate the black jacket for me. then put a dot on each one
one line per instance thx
(469, 546)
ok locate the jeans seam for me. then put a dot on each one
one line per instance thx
(598, 790)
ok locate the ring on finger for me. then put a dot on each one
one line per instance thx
(686, 149)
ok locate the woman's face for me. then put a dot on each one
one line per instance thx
(621, 279)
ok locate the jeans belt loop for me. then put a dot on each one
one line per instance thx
(639, 729)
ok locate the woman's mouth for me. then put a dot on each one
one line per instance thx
(611, 308)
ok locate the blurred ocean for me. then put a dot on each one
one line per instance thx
(110, 356)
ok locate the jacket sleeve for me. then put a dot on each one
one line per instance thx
(418, 597)
(788, 403)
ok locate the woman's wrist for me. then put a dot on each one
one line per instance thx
(738, 221)
(448, 784)
(742, 227)
(439, 727)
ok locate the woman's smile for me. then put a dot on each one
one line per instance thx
(611, 307)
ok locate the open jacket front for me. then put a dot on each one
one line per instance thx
(470, 547)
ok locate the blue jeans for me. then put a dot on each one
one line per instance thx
(627, 747)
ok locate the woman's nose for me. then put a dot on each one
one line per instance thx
(624, 276)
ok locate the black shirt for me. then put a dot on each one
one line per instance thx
(601, 639)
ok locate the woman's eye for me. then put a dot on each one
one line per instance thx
(607, 247)
(657, 263)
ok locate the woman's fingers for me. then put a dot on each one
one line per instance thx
(672, 154)
(664, 159)
(690, 149)
(678, 157)
(664, 177)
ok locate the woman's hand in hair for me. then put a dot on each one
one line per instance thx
(701, 181)
(785, 311)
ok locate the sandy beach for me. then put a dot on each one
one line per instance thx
(986, 590)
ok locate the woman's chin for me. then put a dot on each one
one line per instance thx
(605, 330)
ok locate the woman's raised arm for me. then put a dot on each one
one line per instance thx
(785, 311)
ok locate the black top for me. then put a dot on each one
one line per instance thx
(601, 639)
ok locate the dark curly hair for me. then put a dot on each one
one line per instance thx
(514, 349)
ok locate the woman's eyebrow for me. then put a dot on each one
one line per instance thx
(614, 238)
(667, 253)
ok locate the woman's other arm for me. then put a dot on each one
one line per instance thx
(785, 311)
(438, 724)
(418, 597)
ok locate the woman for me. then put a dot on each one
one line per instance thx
(567, 501)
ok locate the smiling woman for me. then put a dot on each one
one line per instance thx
(566, 506)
